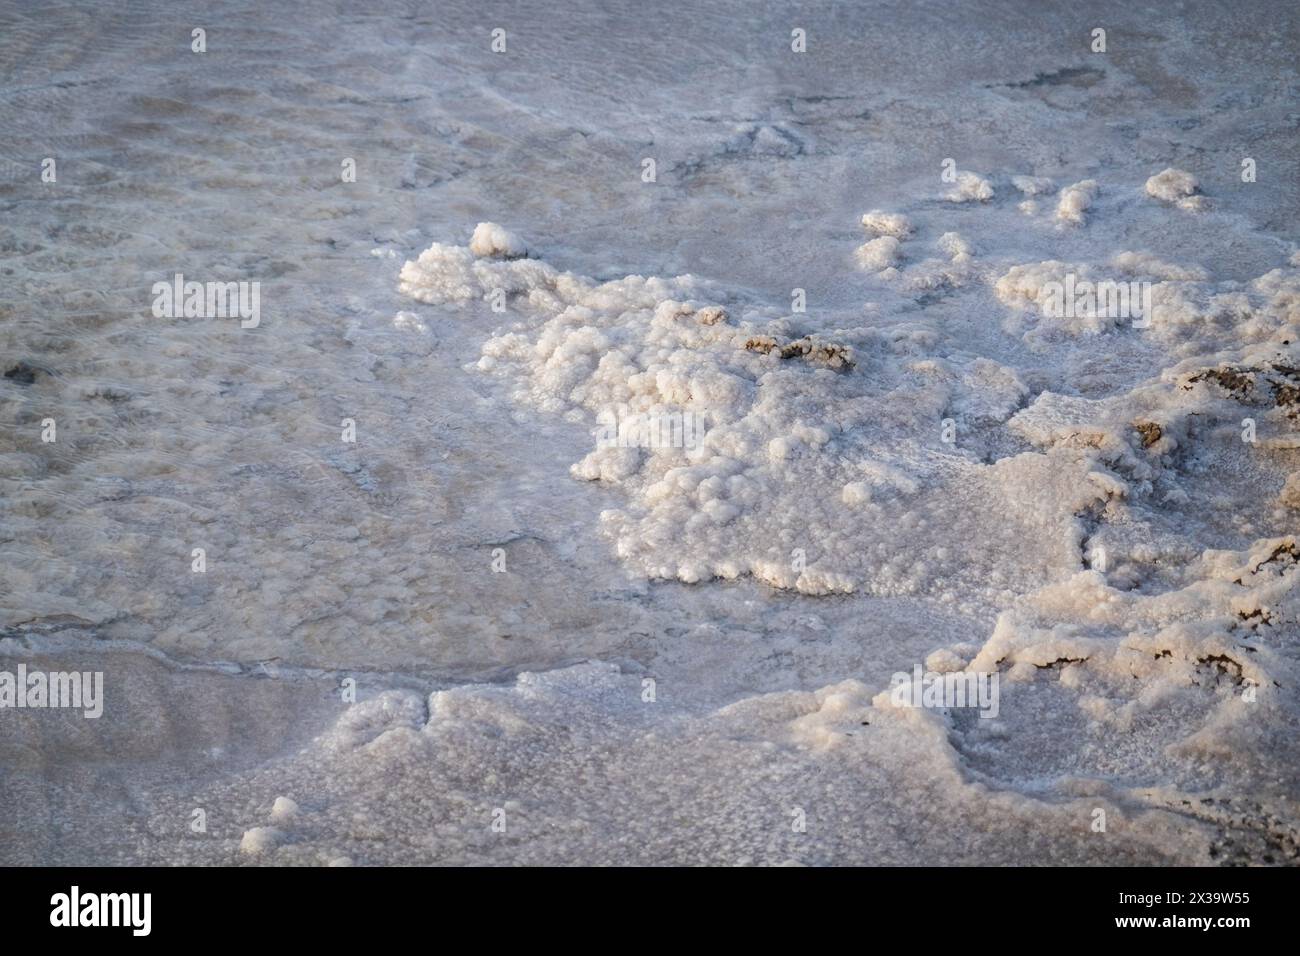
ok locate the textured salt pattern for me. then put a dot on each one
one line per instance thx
(1182, 649)
(834, 446)
(687, 648)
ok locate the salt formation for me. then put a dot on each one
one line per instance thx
(1188, 313)
(887, 224)
(1075, 200)
(1191, 676)
(792, 419)
(260, 840)
(874, 456)
(1033, 185)
(1176, 186)
(1103, 515)
(797, 416)
(883, 252)
(957, 248)
(489, 239)
(878, 254)
(283, 810)
(971, 187)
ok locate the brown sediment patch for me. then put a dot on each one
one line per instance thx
(832, 354)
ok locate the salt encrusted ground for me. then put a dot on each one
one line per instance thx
(1125, 679)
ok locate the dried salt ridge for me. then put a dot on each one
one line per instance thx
(1193, 680)
(1189, 314)
(1178, 699)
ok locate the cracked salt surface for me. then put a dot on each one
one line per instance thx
(1097, 531)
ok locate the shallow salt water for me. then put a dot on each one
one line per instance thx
(652, 678)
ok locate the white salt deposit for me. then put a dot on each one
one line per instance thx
(1034, 185)
(878, 254)
(957, 248)
(490, 240)
(260, 840)
(1177, 186)
(1075, 200)
(787, 429)
(283, 810)
(971, 187)
(882, 223)
(1172, 185)
(476, 634)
